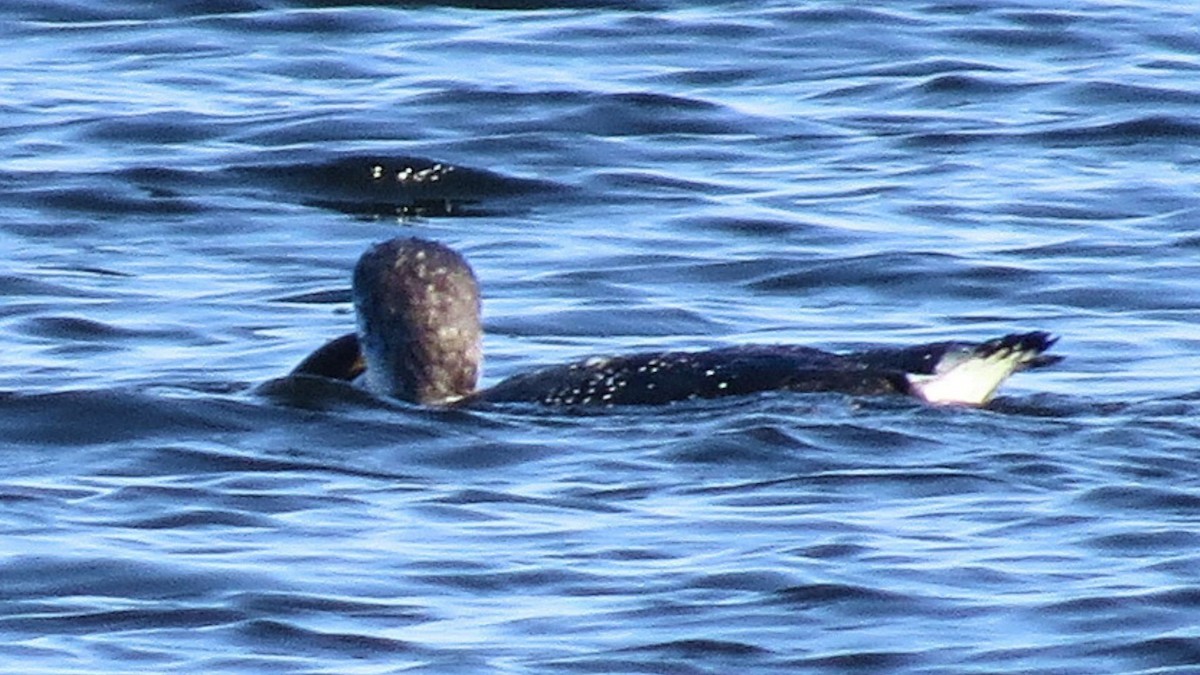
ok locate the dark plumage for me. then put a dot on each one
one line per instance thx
(663, 377)
(417, 304)
(419, 340)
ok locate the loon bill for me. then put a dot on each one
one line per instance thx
(419, 339)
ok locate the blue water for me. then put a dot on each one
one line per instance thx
(184, 188)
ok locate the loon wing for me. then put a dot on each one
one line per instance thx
(338, 359)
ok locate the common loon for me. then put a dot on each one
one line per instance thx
(419, 339)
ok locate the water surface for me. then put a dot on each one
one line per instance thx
(186, 186)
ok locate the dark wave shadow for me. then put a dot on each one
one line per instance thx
(388, 185)
(358, 185)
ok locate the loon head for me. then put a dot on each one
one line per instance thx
(417, 304)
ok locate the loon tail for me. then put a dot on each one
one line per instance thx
(970, 374)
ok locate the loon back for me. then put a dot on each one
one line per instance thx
(940, 372)
(419, 340)
(664, 377)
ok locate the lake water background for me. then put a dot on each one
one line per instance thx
(185, 186)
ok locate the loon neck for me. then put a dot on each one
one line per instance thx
(417, 304)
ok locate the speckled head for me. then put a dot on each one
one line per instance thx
(417, 303)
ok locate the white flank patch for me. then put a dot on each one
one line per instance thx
(971, 381)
